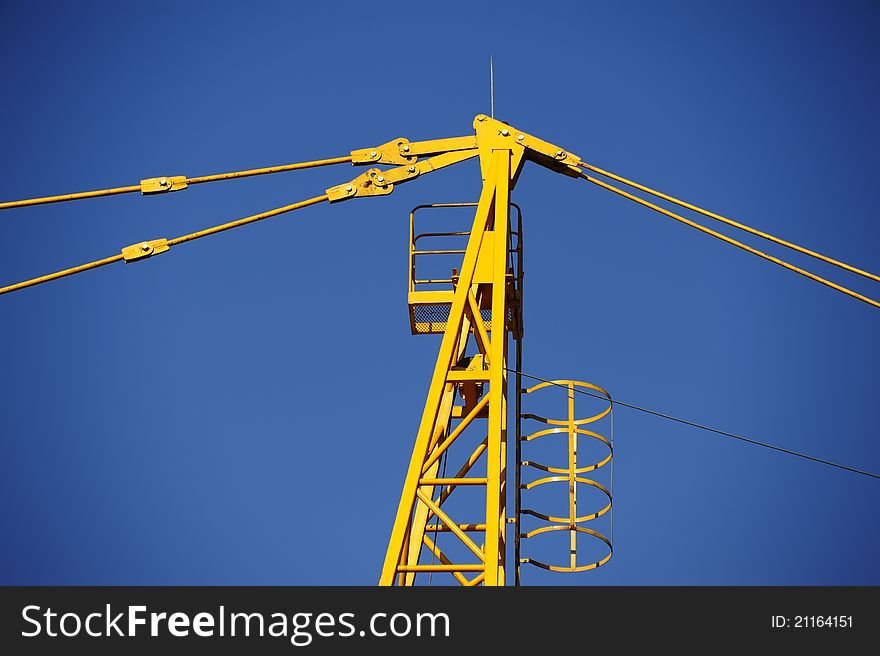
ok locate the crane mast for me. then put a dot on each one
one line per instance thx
(478, 311)
(472, 363)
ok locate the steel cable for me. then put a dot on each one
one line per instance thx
(731, 222)
(694, 424)
(730, 240)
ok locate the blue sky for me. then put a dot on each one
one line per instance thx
(241, 410)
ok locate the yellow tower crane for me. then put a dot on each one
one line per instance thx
(478, 311)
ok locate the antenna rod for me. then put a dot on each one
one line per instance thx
(491, 86)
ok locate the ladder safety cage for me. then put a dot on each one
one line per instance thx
(570, 431)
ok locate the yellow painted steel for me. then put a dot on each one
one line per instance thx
(731, 222)
(443, 558)
(65, 197)
(397, 558)
(269, 169)
(394, 152)
(441, 568)
(484, 282)
(61, 274)
(138, 251)
(416, 537)
(245, 221)
(474, 309)
(440, 449)
(572, 523)
(496, 453)
(474, 528)
(369, 183)
(403, 151)
(730, 240)
(172, 183)
(429, 306)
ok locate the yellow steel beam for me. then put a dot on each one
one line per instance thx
(476, 580)
(451, 525)
(469, 480)
(416, 531)
(472, 528)
(376, 182)
(497, 437)
(435, 146)
(448, 348)
(482, 338)
(444, 559)
(464, 567)
(465, 468)
(458, 430)
(403, 151)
